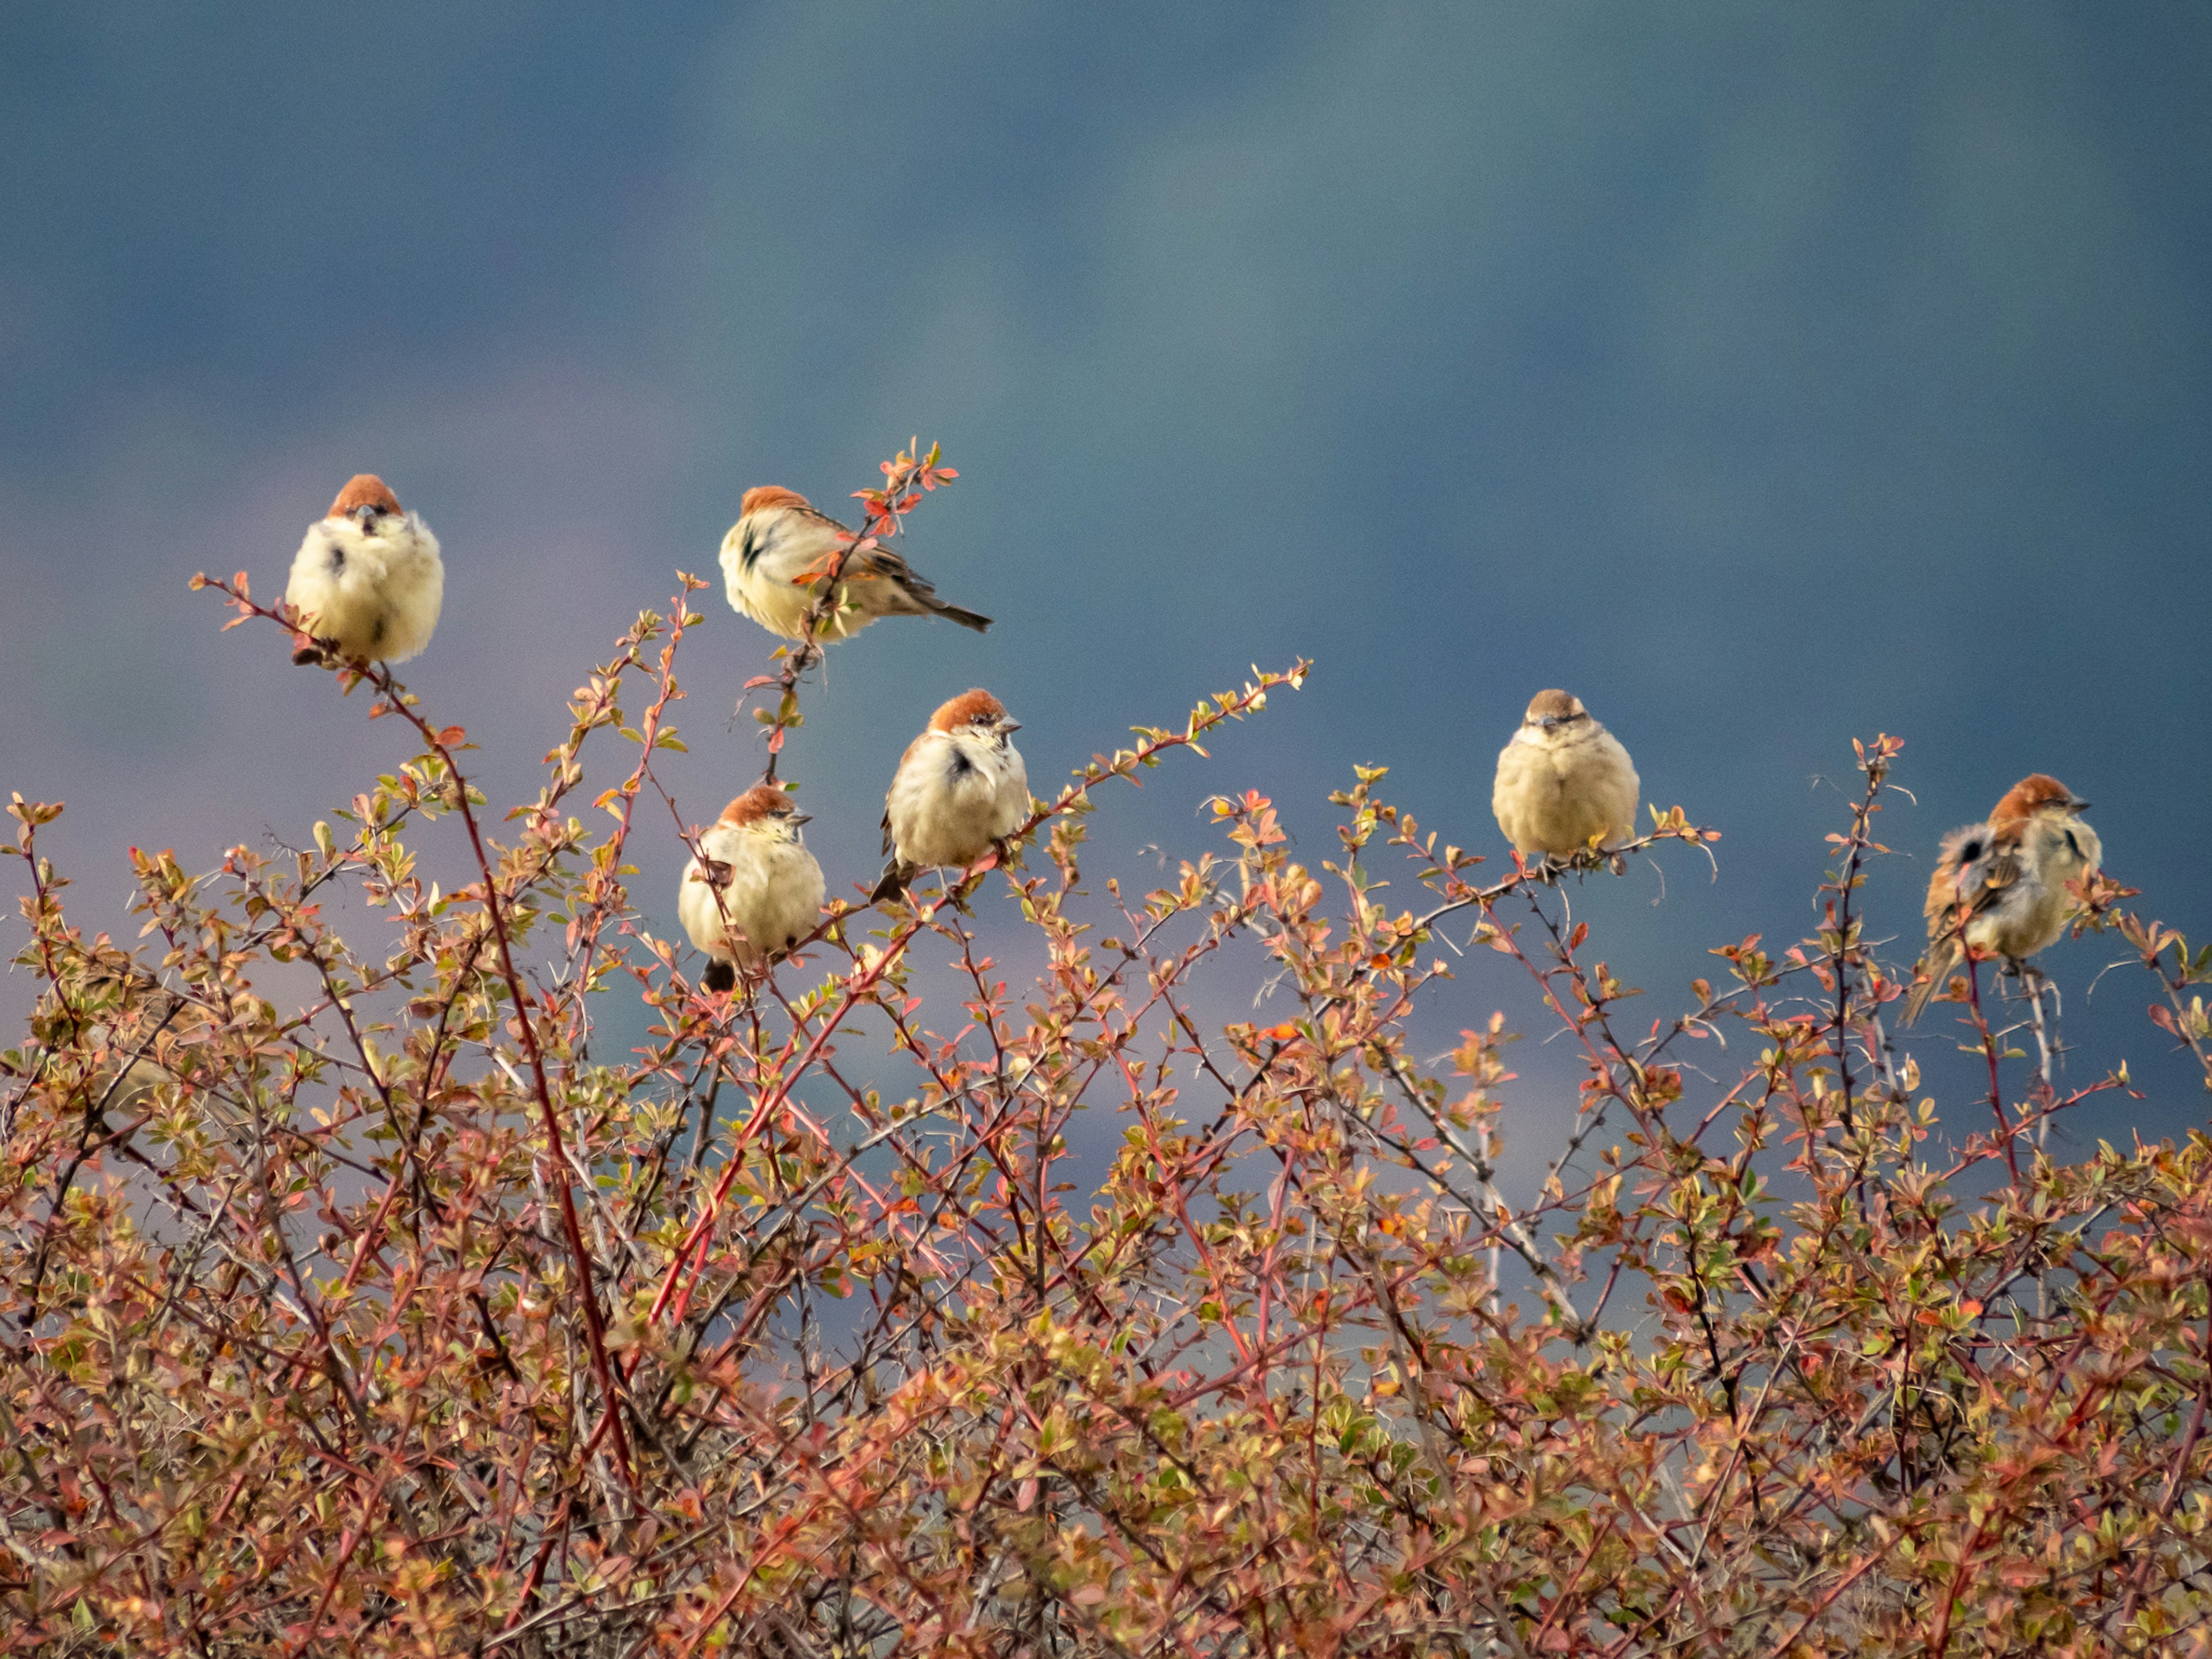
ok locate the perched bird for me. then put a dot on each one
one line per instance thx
(960, 788)
(2001, 886)
(1564, 779)
(366, 582)
(778, 538)
(152, 1035)
(756, 891)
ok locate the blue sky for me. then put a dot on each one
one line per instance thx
(1767, 376)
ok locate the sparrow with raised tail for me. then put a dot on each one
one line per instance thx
(960, 788)
(2001, 886)
(366, 583)
(1563, 779)
(756, 891)
(778, 538)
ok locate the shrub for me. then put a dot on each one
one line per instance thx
(401, 1319)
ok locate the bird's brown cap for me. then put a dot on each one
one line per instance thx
(977, 707)
(761, 801)
(2038, 792)
(364, 489)
(760, 495)
(1554, 705)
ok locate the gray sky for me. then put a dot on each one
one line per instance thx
(1766, 376)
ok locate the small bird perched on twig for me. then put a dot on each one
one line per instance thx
(2001, 886)
(756, 891)
(368, 582)
(960, 788)
(1564, 779)
(774, 557)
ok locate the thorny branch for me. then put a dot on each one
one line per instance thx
(961, 1285)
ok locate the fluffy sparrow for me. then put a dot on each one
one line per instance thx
(1563, 779)
(755, 891)
(960, 788)
(778, 538)
(366, 582)
(2000, 887)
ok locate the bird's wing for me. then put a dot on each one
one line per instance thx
(1977, 866)
(814, 519)
(878, 563)
(812, 515)
(883, 564)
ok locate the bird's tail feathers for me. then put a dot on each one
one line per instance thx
(966, 618)
(720, 975)
(1940, 962)
(893, 882)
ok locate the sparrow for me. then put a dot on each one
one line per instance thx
(778, 538)
(366, 582)
(153, 1037)
(754, 891)
(1564, 779)
(960, 788)
(2001, 886)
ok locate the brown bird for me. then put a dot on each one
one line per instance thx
(1564, 779)
(2000, 887)
(758, 891)
(960, 786)
(368, 582)
(779, 536)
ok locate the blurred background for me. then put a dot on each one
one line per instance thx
(1765, 375)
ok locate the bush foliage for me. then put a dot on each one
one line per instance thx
(393, 1315)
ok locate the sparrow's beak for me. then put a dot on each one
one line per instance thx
(797, 819)
(1548, 721)
(367, 512)
(2076, 804)
(1006, 727)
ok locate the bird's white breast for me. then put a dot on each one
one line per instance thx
(376, 594)
(2031, 915)
(944, 811)
(773, 896)
(1554, 797)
